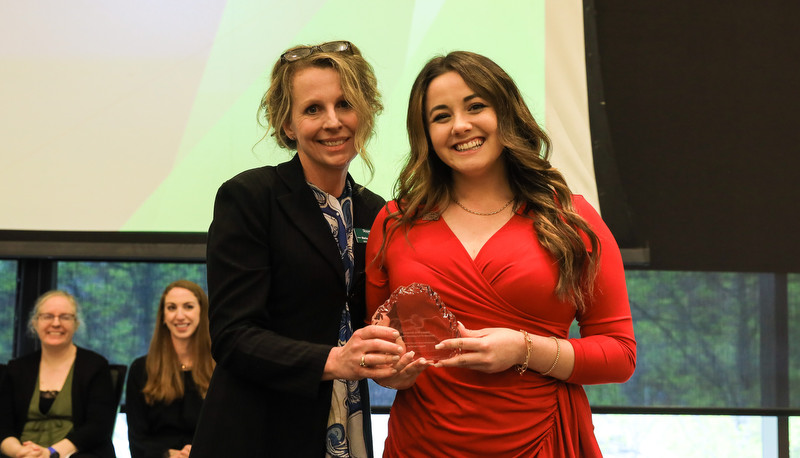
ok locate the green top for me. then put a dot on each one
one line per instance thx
(48, 428)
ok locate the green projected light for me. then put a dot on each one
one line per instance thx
(128, 117)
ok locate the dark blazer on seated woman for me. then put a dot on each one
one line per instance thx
(154, 429)
(277, 291)
(94, 406)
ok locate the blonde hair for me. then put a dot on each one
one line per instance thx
(425, 183)
(359, 85)
(164, 376)
(44, 298)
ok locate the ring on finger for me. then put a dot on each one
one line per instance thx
(460, 345)
(363, 362)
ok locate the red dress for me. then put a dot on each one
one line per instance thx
(510, 284)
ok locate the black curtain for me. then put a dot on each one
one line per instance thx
(695, 113)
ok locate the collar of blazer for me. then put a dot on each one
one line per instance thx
(303, 211)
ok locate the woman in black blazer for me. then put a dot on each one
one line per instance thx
(34, 414)
(286, 274)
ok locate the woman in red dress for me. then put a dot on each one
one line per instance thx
(482, 217)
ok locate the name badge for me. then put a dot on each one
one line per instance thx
(361, 234)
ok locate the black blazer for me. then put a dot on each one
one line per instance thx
(94, 406)
(277, 290)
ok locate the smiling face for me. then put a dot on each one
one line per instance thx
(55, 322)
(181, 313)
(323, 124)
(462, 127)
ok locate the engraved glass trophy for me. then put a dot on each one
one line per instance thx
(417, 312)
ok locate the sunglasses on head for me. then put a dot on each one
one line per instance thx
(305, 51)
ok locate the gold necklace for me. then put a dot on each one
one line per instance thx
(481, 213)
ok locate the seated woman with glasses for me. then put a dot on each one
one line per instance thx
(286, 274)
(58, 401)
(166, 387)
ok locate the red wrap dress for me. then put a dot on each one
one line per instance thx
(509, 284)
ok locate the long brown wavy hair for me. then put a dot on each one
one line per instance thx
(425, 184)
(164, 374)
(359, 85)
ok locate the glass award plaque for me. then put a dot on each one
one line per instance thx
(422, 320)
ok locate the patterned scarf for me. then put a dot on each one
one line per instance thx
(345, 435)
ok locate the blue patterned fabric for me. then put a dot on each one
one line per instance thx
(345, 422)
(339, 214)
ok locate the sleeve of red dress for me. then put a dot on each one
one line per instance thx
(377, 290)
(606, 351)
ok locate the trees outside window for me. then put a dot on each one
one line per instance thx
(119, 301)
(8, 291)
(700, 335)
(697, 339)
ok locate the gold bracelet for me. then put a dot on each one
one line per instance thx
(521, 368)
(558, 353)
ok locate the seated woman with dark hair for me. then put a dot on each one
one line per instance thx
(58, 401)
(167, 386)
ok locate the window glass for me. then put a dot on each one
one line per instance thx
(8, 294)
(380, 397)
(697, 333)
(119, 300)
(663, 435)
(794, 345)
(697, 337)
(698, 436)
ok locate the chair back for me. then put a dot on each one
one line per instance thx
(118, 372)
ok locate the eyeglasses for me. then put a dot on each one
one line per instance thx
(305, 51)
(64, 317)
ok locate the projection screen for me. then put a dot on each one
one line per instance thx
(127, 116)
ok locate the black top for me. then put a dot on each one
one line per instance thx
(94, 407)
(154, 429)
